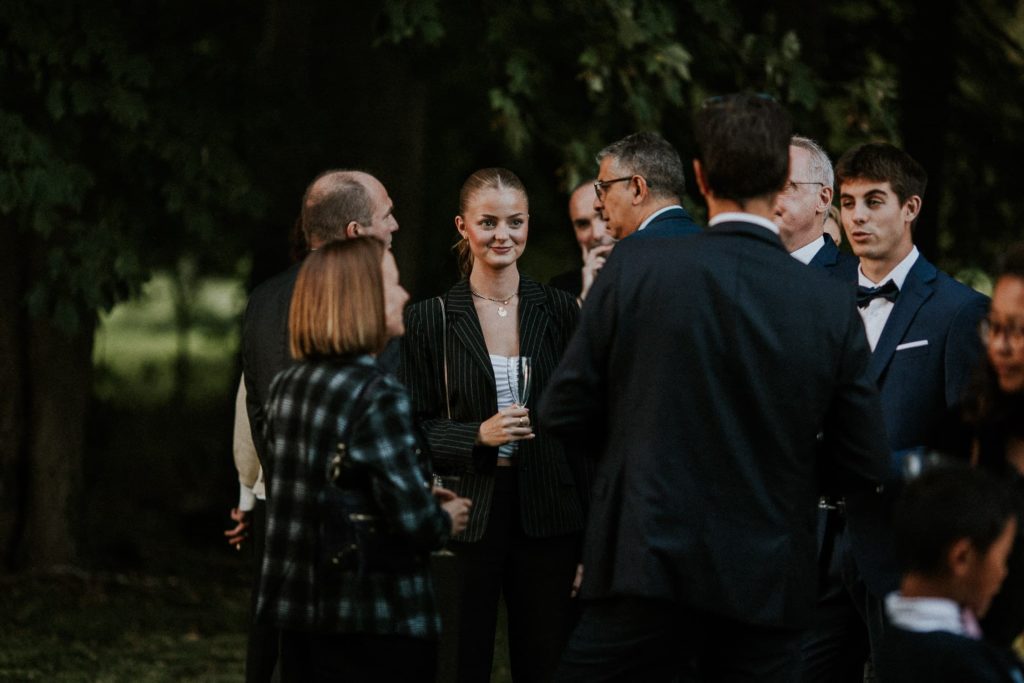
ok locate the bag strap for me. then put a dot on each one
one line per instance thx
(444, 356)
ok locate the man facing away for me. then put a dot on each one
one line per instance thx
(593, 238)
(336, 205)
(702, 373)
(922, 326)
(639, 187)
(802, 207)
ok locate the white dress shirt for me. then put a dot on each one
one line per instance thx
(807, 252)
(729, 216)
(876, 313)
(924, 615)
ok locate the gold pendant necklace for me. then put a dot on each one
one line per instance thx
(502, 303)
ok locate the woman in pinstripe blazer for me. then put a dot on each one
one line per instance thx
(523, 537)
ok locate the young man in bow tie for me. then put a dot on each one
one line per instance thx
(922, 327)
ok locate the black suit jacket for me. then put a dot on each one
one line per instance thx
(552, 488)
(265, 350)
(707, 367)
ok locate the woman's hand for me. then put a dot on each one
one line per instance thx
(457, 508)
(508, 424)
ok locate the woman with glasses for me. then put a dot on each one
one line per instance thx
(993, 414)
(460, 360)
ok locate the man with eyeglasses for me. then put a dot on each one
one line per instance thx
(702, 370)
(803, 205)
(922, 327)
(639, 188)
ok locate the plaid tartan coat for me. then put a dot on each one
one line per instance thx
(312, 406)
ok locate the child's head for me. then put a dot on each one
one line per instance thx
(954, 529)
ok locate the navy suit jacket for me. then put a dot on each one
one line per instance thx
(833, 259)
(673, 223)
(703, 371)
(921, 365)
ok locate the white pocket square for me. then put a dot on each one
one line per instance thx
(912, 345)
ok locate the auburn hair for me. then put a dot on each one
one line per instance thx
(337, 307)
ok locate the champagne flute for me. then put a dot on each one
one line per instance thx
(520, 376)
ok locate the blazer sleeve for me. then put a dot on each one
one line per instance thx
(453, 447)
(856, 444)
(382, 440)
(963, 347)
(573, 406)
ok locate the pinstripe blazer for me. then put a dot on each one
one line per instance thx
(552, 488)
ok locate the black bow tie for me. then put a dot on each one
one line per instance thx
(887, 291)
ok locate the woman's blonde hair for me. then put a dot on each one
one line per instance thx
(337, 306)
(484, 179)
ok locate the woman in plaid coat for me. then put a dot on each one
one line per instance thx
(351, 517)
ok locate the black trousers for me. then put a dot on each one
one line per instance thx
(641, 639)
(355, 658)
(534, 575)
(848, 619)
(261, 649)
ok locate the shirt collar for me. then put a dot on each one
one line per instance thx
(647, 221)
(923, 615)
(807, 252)
(897, 274)
(744, 218)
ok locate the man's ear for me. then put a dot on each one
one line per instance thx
(911, 209)
(352, 230)
(638, 184)
(960, 557)
(824, 199)
(698, 173)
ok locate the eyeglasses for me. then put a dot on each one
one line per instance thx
(793, 186)
(1012, 332)
(599, 185)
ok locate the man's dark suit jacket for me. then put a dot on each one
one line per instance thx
(552, 488)
(265, 349)
(706, 368)
(834, 260)
(673, 223)
(935, 321)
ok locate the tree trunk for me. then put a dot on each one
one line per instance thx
(60, 386)
(13, 397)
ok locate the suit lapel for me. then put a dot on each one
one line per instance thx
(917, 289)
(466, 326)
(827, 255)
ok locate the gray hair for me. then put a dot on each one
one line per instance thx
(651, 156)
(820, 166)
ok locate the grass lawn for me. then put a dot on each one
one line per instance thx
(118, 627)
(161, 597)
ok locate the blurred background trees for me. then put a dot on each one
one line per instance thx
(177, 137)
